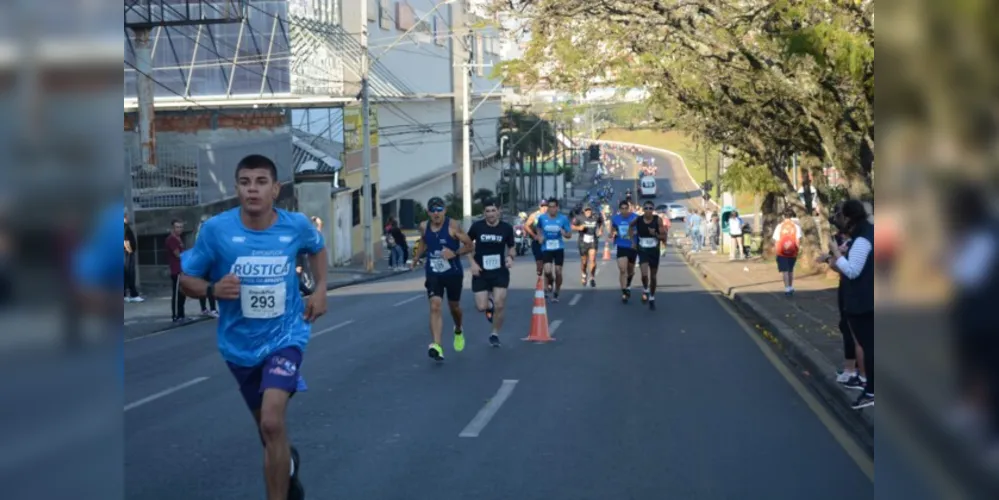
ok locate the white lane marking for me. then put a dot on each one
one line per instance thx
(406, 301)
(575, 299)
(330, 329)
(167, 392)
(489, 411)
(554, 326)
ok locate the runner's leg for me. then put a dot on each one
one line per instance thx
(583, 261)
(277, 450)
(622, 267)
(436, 319)
(499, 307)
(592, 261)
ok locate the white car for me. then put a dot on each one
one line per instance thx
(674, 211)
(647, 187)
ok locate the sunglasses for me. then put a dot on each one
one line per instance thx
(436, 209)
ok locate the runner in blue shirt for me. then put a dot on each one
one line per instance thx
(97, 272)
(248, 254)
(626, 253)
(553, 229)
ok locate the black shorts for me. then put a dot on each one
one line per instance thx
(536, 250)
(786, 264)
(486, 281)
(650, 257)
(630, 253)
(586, 247)
(439, 284)
(556, 257)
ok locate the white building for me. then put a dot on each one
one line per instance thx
(420, 136)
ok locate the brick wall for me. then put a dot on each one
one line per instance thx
(195, 121)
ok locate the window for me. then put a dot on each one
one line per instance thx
(479, 60)
(355, 203)
(385, 14)
(355, 207)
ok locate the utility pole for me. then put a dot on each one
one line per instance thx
(366, 216)
(466, 134)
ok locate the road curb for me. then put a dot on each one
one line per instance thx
(809, 363)
(365, 279)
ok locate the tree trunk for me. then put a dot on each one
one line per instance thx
(770, 216)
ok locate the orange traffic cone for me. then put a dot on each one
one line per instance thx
(539, 320)
(607, 251)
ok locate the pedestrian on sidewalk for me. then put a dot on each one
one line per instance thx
(696, 236)
(174, 247)
(208, 305)
(787, 237)
(131, 243)
(856, 263)
(852, 376)
(735, 224)
(712, 232)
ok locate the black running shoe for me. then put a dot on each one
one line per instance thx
(593, 283)
(554, 297)
(295, 489)
(491, 310)
(855, 383)
(494, 340)
(863, 401)
(652, 305)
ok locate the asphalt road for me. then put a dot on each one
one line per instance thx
(626, 404)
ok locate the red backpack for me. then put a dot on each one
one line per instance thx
(787, 242)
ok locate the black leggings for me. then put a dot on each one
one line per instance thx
(862, 326)
(849, 348)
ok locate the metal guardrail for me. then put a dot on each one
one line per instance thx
(172, 182)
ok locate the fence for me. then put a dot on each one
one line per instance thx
(172, 182)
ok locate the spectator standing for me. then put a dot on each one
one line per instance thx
(852, 376)
(735, 224)
(174, 247)
(856, 264)
(712, 232)
(787, 237)
(696, 236)
(131, 244)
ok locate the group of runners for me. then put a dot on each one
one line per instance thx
(246, 258)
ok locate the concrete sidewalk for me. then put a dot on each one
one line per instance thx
(153, 315)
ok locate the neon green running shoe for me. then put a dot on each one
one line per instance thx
(459, 340)
(435, 352)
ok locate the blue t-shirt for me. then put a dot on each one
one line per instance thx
(268, 314)
(436, 243)
(551, 230)
(98, 263)
(622, 224)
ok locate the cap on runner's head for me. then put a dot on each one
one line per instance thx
(587, 208)
(543, 203)
(436, 204)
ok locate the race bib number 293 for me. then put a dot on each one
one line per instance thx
(262, 302)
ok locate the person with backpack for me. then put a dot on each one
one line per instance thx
(787, 236)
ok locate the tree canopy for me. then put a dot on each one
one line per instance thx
(765, 78)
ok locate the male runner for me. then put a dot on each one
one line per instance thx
(531, 227)
(554, 228)
(650, 231)
(490, 265)
(248, 254)
(626, 255)
(590, 228)
(440, 239)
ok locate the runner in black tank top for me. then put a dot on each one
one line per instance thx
(651, 232)
(490, 265)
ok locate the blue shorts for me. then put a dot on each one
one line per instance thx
(279, 370)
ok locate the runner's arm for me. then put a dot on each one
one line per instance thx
(197, 263)
(472, 238)
(421, 246)
(511, 244)
(466, 243)
(631, 228)
(315, 247)
(529, 226)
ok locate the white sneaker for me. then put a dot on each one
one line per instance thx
(845, 376)
(137, 299)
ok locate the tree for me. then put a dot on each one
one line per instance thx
(767, 79)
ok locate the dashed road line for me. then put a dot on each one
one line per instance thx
(164, 393)
(330, 329)
(481, 419)
(406, 301)
(575, 299)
